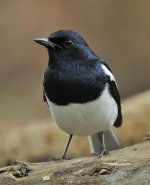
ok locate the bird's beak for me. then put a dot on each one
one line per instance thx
(45, 42)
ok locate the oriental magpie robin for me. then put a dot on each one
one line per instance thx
(79, 87)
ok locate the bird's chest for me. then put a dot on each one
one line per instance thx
(73, 86)
(87, 118)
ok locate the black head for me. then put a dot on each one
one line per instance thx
(65, 44)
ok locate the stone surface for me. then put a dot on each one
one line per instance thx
(129, 165)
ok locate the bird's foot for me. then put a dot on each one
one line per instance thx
(55, 159)
(101, 153)
(64, 158)
(60, 159)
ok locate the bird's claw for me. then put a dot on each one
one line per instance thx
(101, 153)
(60, 159)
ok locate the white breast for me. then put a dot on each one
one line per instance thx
(88, 118)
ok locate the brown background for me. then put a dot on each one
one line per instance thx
(116, 30)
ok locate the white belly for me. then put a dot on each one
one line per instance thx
(88, 118)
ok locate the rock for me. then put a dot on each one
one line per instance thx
(130, 165)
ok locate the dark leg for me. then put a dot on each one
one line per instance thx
(102, 147)
(66, 148)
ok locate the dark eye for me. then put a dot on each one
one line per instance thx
(68, 43)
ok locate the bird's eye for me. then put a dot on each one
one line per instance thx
(68, 43)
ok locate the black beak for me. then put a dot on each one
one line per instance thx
(45, 42)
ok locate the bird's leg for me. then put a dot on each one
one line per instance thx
(66, 148)
(102, 147)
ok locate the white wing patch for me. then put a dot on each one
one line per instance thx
(107, 72)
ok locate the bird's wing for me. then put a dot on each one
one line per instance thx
(113, 89)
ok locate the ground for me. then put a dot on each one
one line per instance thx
(130, 165)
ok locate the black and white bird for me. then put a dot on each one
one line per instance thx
(79, 87)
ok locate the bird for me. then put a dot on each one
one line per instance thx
(79, 88)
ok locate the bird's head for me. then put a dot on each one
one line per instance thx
(65, 44)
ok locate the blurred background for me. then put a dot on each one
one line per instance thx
(118, 31)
